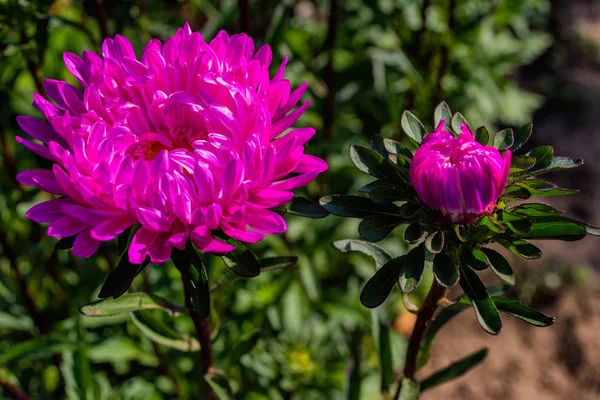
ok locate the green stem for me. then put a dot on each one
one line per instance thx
(424, 318)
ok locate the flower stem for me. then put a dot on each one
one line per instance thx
(424, 318)
(203, 336)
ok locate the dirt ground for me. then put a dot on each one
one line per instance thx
(524, 362)
(561, 361)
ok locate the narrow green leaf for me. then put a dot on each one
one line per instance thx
(492, 224)
(445, 270)
(379, 254)
(521, 163)
(517, 309)
(504, 139)
(242, 261)
(534, 210)
(353, 373)
(473, 258)
(124, 238)
(442, 112)
(381, 330)
(376, 228)
(129, 303)
(65, 243)
(461, 233)
(559, 163)
(35, 349)
(435, 242)
(380, 285)
(521, 248)
(441, 319)
(385, 195)
(487, 314)
(218, 390)
(482, 136)
(273, 263)
(414, 233)
(537, 187)
(500, 266)
(413, 127)
(559, 228)
(410, 390)
(195, 277)
(411, 275)
(306, 208)
(356, 206)
(183, 343)
(395, 147)
(369, 161)
(409, 210)
(521, 136)
(119, 280)
(543, 157)
(454, 371)
(457, 120)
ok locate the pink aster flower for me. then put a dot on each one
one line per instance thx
(459, 177)
(189, 138)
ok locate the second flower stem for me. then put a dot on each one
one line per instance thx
(424, 318)
(203, 336)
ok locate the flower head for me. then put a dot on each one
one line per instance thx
(460, 177)
(187, 139)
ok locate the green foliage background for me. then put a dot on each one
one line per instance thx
(298, 333)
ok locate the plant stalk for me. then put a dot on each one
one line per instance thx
(203, 336)
(424, 318)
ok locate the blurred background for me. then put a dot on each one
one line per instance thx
(302, 333)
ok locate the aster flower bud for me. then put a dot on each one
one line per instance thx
(458, 176)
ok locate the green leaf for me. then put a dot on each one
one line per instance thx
(482, 136)
(356, 206)
(487, 314)
(515, 308)
(414, 233)
(380, 255)
(242, 262)
(500, 266)
(521, 163)
(353, 375)
(461, 233)
(219, 391)
(543, 157)
(378, 288)
(65, 243)
(35, 349)
(559, 228)
(521, 136)
(273, 263)
(410, 390)
(521, 248)
(504, 139)
(369, 161)
(409, 210)
(457, 120)
(12, 322)
(183, 343)
(411, 274)
(395, 147)
(124, 238)
(195, 278)
(435, 242)
(385, 195)
(454, 371)
(306, 208)
(536, 187)
(381, 331)
(534, 210)
(442, 112)
(129, 303)
(473, 258)
(491, 223)
(441, 319)
(119, 280)
(376, 228)
(558, 163)
(413, 127)
(445, 270)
